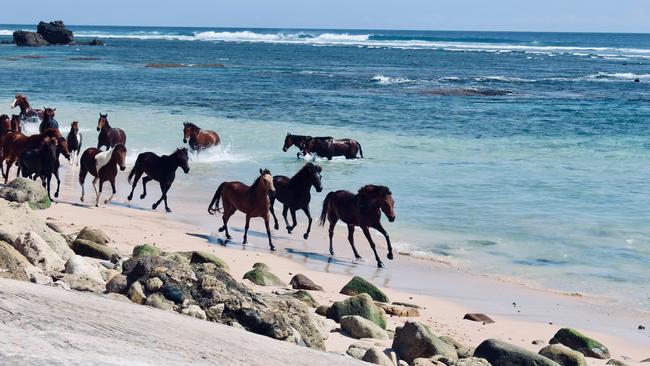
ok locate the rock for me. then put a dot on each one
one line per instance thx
(322, 310)
(472, 361)
(325, 326)
(301, 282)
(415, 340)
(260, 275)
(39, 278)
(54, 226)
(62, 285)
(29, 39)
(95, 235)
(377, 356)
(581, 343)
(478, 317)
(214, 313)
(299, 317)
(117, 284)
(358, 350)
(358, 285)
(359, 327)
(616, 362)
(408, 305)
(500, 353)
(173, 293)
(38, 252)
(146, 250)
(305, 297)
(23, 190)
(401, 311)
(195, 311)
(55, 32)
(203, 257)
(427, 362)
(539, 342)
(136, 294)
(462, 350)
(159, 301)
(13, 264)
(153, 284)
(563, 355)
(80, 283)
(78, 267)
(361, 305)
(89, 248)
(138, 267)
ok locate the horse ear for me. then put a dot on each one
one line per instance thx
(261, 172)
(53, 109)
(318, 168)
(288, 134)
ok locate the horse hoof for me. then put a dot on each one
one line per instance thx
(273, 248)
(129, 198)
(332, 253)
(305, 236)
(221, 229)
(142, 196)
(56, 195)
(390, 256)
(106, 202)
(153, 207)
(168, 210)
(228, 237)
(380, 265)
(276, 226)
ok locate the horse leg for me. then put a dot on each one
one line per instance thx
(165, 188)
(366, 232)
(351, 240)
(99, 193)
(333, 221)
(49, 180)
(275, 219)
(108, 200)
(227, 212)
(58, 183)
(82, 179)
(268, 232)
(248, 220)
(285, 209)
(136, 179)
(293, 217)
(380, 228)
(306, 211)
(145, 180)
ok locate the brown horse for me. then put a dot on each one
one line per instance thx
(109, 136)
(362, 209)
(298, 141)
(198, 138)
(332, 147)
(103, 166)
(26, 111)
(15, 143)
(253, 201)
(16, 123)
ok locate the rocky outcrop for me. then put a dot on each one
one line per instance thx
(13, 264)
(95, 235)
(358, 285)
(359, 327)
(29, 39)
(302, 282)
(500, 353)
(89, 248)
(415, 340)
(563, 355)
(38, 252)
(581, 343)
(361, 305)
(26, 190)
(203, 257)
(55, 32)
(462, 350)
(262, 276)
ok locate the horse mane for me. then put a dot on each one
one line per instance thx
(305, 169)
(369, 192)
(257, 181)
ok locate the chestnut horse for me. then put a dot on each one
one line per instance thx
(7, 126)
(294, 194)
(103, 166)
(198, 138)
(16, 123)
(48, 120)
(332, 147)
(26, 111)
(297, 141)
(362, 209)
(253, 201)
(15, 143)
(109, 136)
(159, 168)
(74, 143)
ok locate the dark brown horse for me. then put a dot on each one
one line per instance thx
(159, 168)
(332, 147)
(253, 201)
(198, 138)
(294, 194)
(109, 136)
(103, 166)
(362, 209)
(48, 120)
(8, 126)
(16, 123)
(74, 143)
(26, 111)
(43, 163)
(15, 143)
(298, 141)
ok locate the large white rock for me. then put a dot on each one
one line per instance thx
(38, 253)
(79, 267)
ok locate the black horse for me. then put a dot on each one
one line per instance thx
(74, 143)
(48, 120)
(294, 194)
(159, 168)
(299, 142)
(42, 163)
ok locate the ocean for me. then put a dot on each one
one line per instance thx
(520, 155)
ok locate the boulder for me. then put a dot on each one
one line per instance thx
(359, 327)
(260, 275)
(581, 343)
(55, 32)
(376, 356)
(38, 253)
(159, 301)
(136, 293)
(153, 284)
(427, 362)
(29, 39)
(462, 350)
(79, 283)
(358, 350)
(89, 248)
(194, 311)
(23, 190)
(13, 264)
(301, 282)
(117, 284)
(173, 293)
(305, 297)
(500, 353)
(325, 326)
(361, 305)
(78, 267)
(146, 250)
(415, 340)
(478, 317)
(322, 310)
(401, 311)
(299, 317)
(563, 355)
(95, 235)
(358, 285)
(203, 257)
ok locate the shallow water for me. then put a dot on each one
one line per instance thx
(518, 154)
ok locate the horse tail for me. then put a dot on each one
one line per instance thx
(215, 200)
(323, 214)
(360, 150)
(133, 171)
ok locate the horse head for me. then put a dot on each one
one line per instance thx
(74, 127)
(16, 123)
(48, 114)
(20, 101)
(182, 159)
(5, 123)
(313, 172)
(378, 196)
(119, 153)
(103, 121)
(62, 148)
(189, 129)
(287, 142)
(267, 180)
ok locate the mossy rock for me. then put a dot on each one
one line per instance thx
(89, 248)
(23, 190)
(95, 235)
(322, 310)
(204, 257)
(262, 277)
(305, 297)
(261, 266)
(361, 305)
(358, 285)
(581, 343)
(146, 250)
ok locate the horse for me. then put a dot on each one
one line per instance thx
(74, 143)
(42, 163)
(253, 201)
(294, 194)
(16, 123)
(362, 209)
(159, 168)
(109, 136)
(198, 138)
(103, 166)
(48, 120)
(7, 126)
(332, 147)
(26, 111)
(297, 141)
(15, 143)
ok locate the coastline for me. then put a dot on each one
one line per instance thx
(444, 293)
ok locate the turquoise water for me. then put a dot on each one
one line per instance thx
(547, 182)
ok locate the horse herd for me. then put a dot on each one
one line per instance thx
(37, 156)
